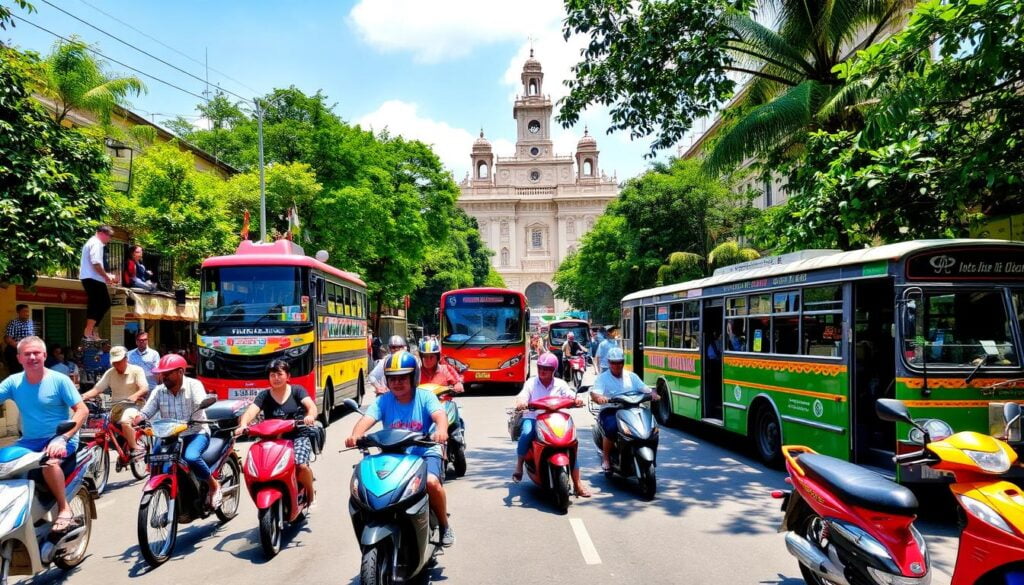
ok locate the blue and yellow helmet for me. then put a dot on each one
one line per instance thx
(429, 346)
(401, 363)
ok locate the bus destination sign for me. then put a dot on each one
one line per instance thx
(967, 264)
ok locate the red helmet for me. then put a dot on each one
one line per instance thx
(169, 363)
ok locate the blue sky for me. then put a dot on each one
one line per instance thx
(434, 70)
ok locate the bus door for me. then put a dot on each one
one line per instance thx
(638, 341)
(872, 371)
(711, 362)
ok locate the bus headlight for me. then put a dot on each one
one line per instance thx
(297, 351)
(456, 363)
(511, 362)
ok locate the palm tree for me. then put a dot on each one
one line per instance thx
(794, 87)
(683, 266)
(73, 79)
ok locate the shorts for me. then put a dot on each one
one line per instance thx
(303, 450)
(67, 464)
(435, 466)
(99, 299)
(126, 415)
(608, 421)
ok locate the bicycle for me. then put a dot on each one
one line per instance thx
(102, 434)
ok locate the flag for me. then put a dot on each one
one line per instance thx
(245, 225)
(294, 227)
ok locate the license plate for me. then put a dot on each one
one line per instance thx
(240, 393)
(483, 375)
(161, 457)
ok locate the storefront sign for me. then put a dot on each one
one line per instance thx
(52, 296)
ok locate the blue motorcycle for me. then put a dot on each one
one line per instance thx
(390, 508)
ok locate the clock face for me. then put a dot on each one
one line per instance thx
(533, 127)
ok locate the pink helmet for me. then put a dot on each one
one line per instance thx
(169, 363)
(547, 360)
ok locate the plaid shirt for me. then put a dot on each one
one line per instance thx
(18, 329)
(179, 407)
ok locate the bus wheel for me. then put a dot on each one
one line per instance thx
(767, 436)
(325, 414)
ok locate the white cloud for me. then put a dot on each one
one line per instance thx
(446, 29)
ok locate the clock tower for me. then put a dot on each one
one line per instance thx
(532, 112)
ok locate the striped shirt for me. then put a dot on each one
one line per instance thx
(161, 402)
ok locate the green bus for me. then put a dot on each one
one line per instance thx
(796, 349)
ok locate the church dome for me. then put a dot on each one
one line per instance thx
(481, 144)
(588, 142)
(531, 63)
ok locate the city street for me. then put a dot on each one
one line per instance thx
(712, 522)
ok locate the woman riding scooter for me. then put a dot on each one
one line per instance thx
(284, 400)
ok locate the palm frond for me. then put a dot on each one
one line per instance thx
(852, 95)
(759, 45)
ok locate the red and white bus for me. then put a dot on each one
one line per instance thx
(483, 333)
(271, 301)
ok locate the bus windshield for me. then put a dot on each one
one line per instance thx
(579, 330)
(481, 319)
(960, 328)
(249, 294)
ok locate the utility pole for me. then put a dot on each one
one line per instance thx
(263, 193)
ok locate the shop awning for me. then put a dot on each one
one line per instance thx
(162, 307)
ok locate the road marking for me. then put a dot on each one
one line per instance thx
(590, 555)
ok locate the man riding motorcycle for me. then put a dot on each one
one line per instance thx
(570, 348)
(433, 371)
(178, 397)
(405, 407)
(376, 378)
(611, 383)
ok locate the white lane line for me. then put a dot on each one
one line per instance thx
(590, 555)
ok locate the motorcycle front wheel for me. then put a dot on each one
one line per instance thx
(138, 464)
(158, 530)
(80, 504)
(562, 489)
(459, 460)
(229, 487)
(271, 526)
(577, 379)
(648, 481)
(101, 468)
(377, 567)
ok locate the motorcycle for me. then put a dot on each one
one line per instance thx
(173, 495)
(28, 544)
(848, 525)
(577, 367)
(550, 460)
(390, 508)
(271, 477)
(635, 445)
(101, 434)
(456, 448)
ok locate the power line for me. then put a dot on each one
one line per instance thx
(144, 52)
(90, 49)
(165, 45)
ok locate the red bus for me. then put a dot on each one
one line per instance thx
(483, 333)
(271, 301)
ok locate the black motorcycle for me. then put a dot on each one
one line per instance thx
(635, 444)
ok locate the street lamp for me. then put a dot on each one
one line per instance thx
(260, 110)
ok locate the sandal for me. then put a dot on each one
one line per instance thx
(606, 467)
(582, 492)
(64, 523)
(517, 477)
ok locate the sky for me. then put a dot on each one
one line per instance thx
(432, 70)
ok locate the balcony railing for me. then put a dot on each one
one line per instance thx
(114, 259)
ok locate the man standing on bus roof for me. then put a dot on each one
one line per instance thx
(611, 383)
(376, 378)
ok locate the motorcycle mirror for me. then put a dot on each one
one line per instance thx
(891, 410)
(65, 427)
(207, 402)
(349, 405)
(1011, 414)
(583, 389)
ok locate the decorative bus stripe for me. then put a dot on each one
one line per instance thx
(786, 366)
(671, 373)
(835, 397)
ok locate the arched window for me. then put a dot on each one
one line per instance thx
(588, 168)
(504, 256)
(482, 171)
(533, 87)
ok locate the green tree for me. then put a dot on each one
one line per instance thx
(287, 185)
(729, 253)
(52, 182)
(660, 65)
(681, 266)
(5, 13)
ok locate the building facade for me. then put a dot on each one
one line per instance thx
(534, 207)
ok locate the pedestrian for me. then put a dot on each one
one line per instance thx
(145, 357)
(44, 399)
(135, 274)
(103, 359)
(601, 359)
(17, 329)
(60, 363)
(95, 279)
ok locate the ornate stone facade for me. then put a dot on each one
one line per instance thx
(534, 207)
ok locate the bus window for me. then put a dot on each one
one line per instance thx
(735, 335)
(760, 334)
(332, 298)
(960, 328)
(675, 334)
(650, 334)
(823, 334)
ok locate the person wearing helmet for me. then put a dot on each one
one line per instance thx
(433, 371)
(613, 382)
(178, 397)
(127, 383)
(406, 407)
(376, 378)
(610, 341)
(570, 348)
(542, 385)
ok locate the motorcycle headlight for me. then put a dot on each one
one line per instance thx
(206, 352)
(412, 487)
(995, 462)
(353, 488)
(984, 512)
(282, 463)
(250, 465)
(511, 362)
(624, 429)
(297, 351)
(456, 363)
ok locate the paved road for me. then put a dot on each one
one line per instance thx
(713, 522)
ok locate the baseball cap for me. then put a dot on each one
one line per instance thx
(118, 353)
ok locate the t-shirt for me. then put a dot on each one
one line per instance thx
(147, 360)
(602, 351)
(123, 385)
(43, 406)
(414, 416)
(534, 390)
(444, 375)
(293, 405)
(92, 253)
(66, 368)
(609, 386)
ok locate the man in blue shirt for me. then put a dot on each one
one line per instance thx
(44, 398)
(405, 407)
(606, 346)
(609, 384)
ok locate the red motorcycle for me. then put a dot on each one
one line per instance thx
(577, 367)
(270, 476)
(550, 460)
(102, 433)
